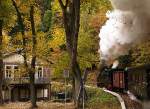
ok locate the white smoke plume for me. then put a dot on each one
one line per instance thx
(115, 64)
(127, 25)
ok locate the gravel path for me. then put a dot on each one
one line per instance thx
(131, 104)
(41, 105)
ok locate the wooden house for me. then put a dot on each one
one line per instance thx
(16, 82)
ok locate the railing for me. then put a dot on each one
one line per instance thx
(42, 80)
(26, 80)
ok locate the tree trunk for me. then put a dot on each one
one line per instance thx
(32, 90)
(30, 70)
(78, 83)
(77, 89)
(71, 17)
(22, 27)
(1, 62)
(33, 61)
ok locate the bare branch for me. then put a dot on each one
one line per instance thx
(67, 1)
(61, 4)
(20, 22)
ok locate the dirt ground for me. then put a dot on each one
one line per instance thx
(41, 105)
(130, 104)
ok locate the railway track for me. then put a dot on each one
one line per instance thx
(131, 104)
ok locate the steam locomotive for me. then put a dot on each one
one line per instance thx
(134, 79)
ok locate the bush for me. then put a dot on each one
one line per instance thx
(97, 98)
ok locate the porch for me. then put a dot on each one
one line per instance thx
(21, 92)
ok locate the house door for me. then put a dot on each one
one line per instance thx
(14, 94)
(24, 94)
(118, 79)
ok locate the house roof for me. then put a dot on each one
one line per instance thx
(19, 59)
(13, 58)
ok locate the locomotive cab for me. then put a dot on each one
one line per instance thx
(113, 79)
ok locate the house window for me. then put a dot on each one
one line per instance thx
(16, 71)
(39, 72)
(8, 71)
(45, 93)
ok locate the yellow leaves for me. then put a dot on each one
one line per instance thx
(41, 47)
(56, 6)
(24, 5)
(58, 38)
(6, 39)
(98, 20)
(37, 17)
(24, 8)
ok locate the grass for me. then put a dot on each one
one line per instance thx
(99, 99)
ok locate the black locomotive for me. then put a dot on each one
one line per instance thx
(134, 79)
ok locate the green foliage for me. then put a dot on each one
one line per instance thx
(47, 20)
(99, 98)
(46, 15)
(47, 4)
(140, 54)
(61, 63)
(60, 87)
(93, 6)
(6, 13)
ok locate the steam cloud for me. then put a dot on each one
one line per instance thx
(127, 25)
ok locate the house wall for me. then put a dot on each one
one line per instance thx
(17, 60)
(39, 93)
(6, 95)
(47, 71)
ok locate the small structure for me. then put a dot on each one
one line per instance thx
(16, 82)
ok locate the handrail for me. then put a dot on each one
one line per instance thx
(22, 80)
